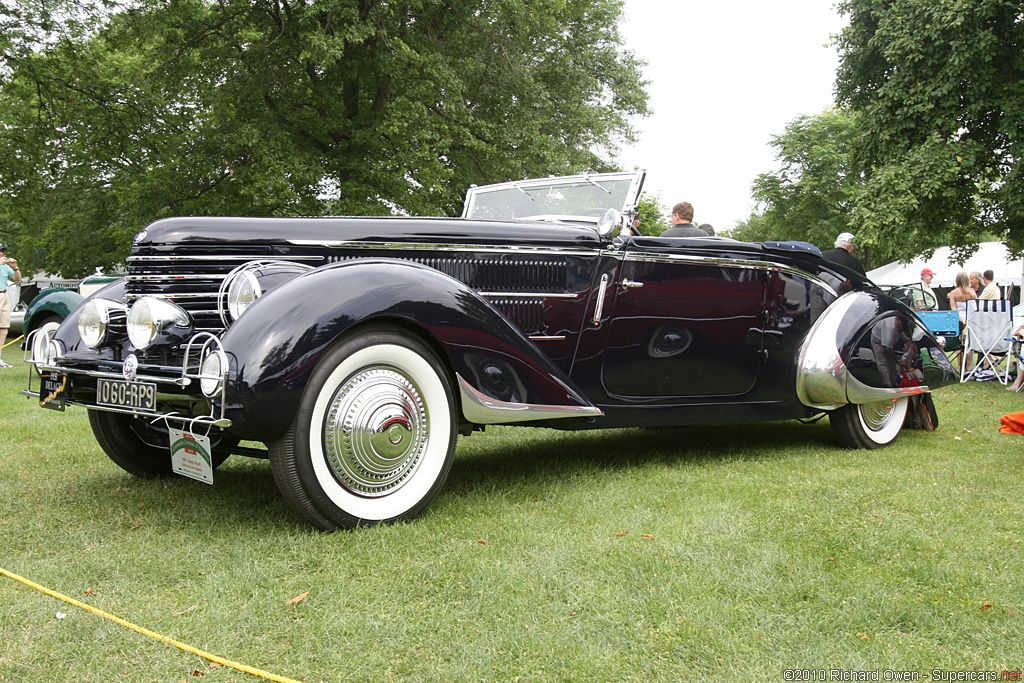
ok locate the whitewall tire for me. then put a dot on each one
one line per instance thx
(374, 435)
(869, 425)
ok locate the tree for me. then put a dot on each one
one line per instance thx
(812, 196)
(653, 215)
(939, 88)
(278, 107)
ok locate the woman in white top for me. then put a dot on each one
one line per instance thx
(959, 297)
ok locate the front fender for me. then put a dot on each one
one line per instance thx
(52, 301)
(274, 346)
(868, 347)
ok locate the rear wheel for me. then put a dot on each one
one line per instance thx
(374, 435)
(869, 425)
(139, 447)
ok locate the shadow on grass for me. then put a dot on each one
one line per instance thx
(522, 454)
(503, 458)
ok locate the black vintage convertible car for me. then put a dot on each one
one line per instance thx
(357, 349)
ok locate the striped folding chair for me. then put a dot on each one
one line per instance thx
(986, 340)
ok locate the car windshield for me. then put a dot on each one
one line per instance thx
(580, 197)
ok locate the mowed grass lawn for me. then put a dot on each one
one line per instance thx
(725, 553)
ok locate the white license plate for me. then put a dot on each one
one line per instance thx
(115, 392)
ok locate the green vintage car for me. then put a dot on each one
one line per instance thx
(55, 300)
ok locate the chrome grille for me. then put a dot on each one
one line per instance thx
(525, 313)
(491, 273)
(192, 280)
(188, 280)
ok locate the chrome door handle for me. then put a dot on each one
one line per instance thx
(629, 284)
(599, 309)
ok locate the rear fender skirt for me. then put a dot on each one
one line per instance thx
(868, 347)
(274, 346)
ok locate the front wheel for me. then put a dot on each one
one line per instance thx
(140, 447)
(374, 435)
(869, 425)
(44, 333)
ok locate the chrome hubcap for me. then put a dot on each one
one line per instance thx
(878, 414)
(375, 431)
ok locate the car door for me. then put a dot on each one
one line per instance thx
(684, 325)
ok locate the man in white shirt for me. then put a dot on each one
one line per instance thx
(991, 290)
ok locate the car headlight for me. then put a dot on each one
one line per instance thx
(242, 292)
(249, 281)
(99, 320)
(212, 370)
(152, 321)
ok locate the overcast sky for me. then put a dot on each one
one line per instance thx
(724, 77)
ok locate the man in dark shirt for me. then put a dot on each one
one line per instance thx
(843, 253)
(682, 222)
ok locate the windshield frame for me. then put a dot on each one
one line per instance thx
(527, 188)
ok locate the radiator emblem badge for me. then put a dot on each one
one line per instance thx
(131, 366)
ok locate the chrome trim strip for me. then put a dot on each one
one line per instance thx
(746, 264)
(530, 295)
(858, 392)
(173, 277)
(548, 337)
(100, 374)
(174, 295)
(417, 246)
(173, 257)
(480, 409)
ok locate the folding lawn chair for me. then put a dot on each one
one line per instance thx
(1015, 351)
(945, 325)
(987, 334)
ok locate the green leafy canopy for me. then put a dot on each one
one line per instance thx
(939, 89)
(812, 195)
(115, 114)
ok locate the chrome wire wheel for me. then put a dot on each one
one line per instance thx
(375, 432)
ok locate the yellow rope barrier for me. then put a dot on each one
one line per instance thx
(147, 632)
(12, 341)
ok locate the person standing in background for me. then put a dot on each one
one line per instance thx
(682, 222)
(975, 278)
(959, 297)
(9, 272)
(843, 253)
(931, 302)
(991, 290)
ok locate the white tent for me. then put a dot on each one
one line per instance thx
(990, 256)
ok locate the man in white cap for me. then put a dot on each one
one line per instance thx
(843, 253)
